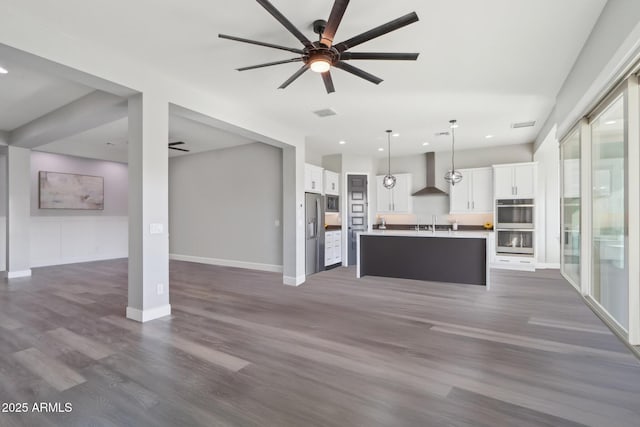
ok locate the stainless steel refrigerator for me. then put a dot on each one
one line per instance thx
(314, 234)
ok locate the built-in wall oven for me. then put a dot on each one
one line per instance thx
(515, 213)
(515, 226)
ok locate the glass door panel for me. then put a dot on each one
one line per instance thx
(610, 284)
(571, 206)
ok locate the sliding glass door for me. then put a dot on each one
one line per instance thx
(571, 208)
(609, 228)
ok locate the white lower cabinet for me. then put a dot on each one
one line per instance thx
(332, 247)
(514, 263)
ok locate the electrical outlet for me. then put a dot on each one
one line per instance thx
(160, 289)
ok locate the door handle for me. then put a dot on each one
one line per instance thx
(467, 205)
(473, 205)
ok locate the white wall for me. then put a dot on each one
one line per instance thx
(115, 182)
(548, 202)
(224, 206)
(3, 210)
(612, 45)
(425, 206)
(3, 184)
(62, 236)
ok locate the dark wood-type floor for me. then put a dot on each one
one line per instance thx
(241, 349)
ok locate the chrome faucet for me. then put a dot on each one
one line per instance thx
(434, 219)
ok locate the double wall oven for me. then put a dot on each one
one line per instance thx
(515, 226)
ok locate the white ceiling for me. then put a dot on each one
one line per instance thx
(26, 94)
(109, 142)
(485, 63)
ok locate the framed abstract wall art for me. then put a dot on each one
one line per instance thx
(70, 191)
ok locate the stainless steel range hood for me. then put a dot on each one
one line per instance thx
(431, 188)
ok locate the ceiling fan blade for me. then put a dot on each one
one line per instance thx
(269, 64)
(285, 22)
(405, 20)
(339, 7)
(274, 46)
(179, 149)
(328, 81)
(358, 72)
(171, 144)
(398, 56)
(295, 75)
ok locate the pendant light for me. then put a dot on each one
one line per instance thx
(453, 176)
(389, 181)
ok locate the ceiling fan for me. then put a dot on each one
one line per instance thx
(322, 55)
(172, 146)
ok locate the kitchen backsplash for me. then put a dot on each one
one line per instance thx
(462, 219)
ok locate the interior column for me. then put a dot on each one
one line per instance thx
(18, 212)
(148, 208)
(293, 215)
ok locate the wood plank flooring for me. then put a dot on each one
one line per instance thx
(241, 349)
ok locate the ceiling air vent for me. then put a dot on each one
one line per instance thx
(441, 134)
(325, 113)
(523, 124)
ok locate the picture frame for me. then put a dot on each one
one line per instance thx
(58, 190)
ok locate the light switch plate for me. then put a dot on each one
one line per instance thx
(156, 229)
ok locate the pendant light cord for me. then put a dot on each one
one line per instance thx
(453, 145)
(389, 152)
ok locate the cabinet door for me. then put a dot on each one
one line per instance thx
(331, 183)
(503, 182)
(383, 204)
(524, 181)
(316, 179)
(402, 194)
(482, 190)
(313, 178)
(459, 200)
(307, 178)
(337, 247)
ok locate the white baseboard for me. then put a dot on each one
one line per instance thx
(228, 263)
(17, 274)
(293, 281)
(150, 314)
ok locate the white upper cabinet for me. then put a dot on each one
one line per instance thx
(331, 183)
(514, 181)
(396, 200)
(474, 194)
(313, 177)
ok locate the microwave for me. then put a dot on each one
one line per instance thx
(332, 203)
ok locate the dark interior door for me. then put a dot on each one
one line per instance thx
(357, 206)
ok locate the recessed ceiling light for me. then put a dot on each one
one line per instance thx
(342, 142)
(489, 136)
(3, 71)
(396, 134)
(425, 143)
(610, 122)
(380, 149)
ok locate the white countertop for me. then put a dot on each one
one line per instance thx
(423, 233)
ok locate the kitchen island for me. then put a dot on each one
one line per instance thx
(441, 256)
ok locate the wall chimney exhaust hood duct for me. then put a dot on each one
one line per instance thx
(431, 188)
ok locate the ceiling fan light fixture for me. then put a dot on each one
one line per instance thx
(320, 63)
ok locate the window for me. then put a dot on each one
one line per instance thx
(609, 228)
(571, 207)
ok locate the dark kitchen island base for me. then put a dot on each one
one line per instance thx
(424, 256)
